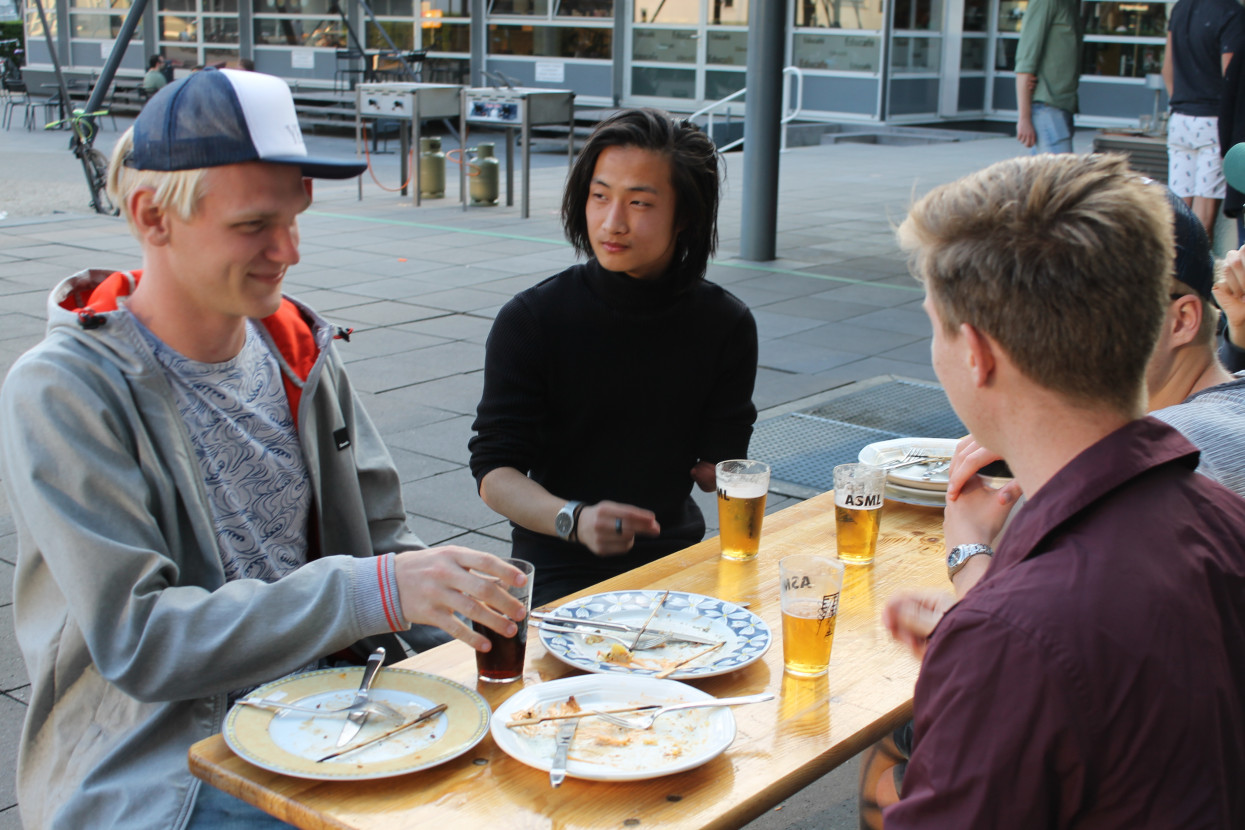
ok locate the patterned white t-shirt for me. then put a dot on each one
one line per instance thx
(246, 443)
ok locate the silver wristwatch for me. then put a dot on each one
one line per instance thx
(960, 554)
(566, 520)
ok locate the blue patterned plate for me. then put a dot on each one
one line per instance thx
(744, 635)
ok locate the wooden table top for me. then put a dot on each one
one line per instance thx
(812, 725)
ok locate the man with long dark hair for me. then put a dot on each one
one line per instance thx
(613, 386)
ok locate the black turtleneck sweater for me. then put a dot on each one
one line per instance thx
(601, 386)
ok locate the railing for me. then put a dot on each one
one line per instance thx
(787, 74)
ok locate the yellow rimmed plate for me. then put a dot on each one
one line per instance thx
(290, 742)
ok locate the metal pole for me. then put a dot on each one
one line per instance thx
(66, 106)
(479, 42)
(622, 31)
(510, 161)
(527, 162)
(763, 130)
(114, 57)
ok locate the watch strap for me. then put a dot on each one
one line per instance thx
(579, 508)
(959, 555)
(569, 512)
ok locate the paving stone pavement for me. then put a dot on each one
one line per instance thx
(420, 286)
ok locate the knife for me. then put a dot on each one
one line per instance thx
(566, 732)
(630, 629)
(415, 721)
(356, 719)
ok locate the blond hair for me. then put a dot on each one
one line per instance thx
(178, 191)
(1065, 261)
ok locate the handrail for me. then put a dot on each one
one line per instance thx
(787, 73)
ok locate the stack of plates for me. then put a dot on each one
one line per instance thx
(914, 484)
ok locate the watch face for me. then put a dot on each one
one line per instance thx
(563, 522)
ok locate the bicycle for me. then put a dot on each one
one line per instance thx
(94, 163)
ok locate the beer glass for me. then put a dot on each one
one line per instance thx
(858, 494)
(503, 663)
(810, 586)
(742, 486)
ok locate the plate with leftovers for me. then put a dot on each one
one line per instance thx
(938, 451)
(602, 751)
(290, 742)
(743, 636)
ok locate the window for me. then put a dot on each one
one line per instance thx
(94, 19)
(299, 23)
(667, 11)
(550, 41)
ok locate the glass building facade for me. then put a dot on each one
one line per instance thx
(893, 61)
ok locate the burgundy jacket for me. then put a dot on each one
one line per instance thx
(1095, 678)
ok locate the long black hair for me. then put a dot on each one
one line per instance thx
(693, 173)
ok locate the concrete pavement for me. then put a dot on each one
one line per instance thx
(420, 286)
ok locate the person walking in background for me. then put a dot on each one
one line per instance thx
(1048, 72)
(1202, 37)
(614, 386)
(155, 79)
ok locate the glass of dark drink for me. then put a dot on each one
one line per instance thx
(503, 663)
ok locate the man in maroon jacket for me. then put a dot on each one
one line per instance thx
(1095, 677)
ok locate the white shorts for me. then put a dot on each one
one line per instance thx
(1194, 166)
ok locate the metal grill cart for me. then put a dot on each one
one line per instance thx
(517, 107)
(409, 104)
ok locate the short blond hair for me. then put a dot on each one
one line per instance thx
(178, 191)
(1065, 261)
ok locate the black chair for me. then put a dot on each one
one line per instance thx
(387, 66)
(415, 60)
(349, 68)
(15, 95)
(51, 107)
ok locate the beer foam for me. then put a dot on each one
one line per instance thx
(744, 490)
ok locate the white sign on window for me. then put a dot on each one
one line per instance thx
(105, 49)
(302, 59)
(551, 71)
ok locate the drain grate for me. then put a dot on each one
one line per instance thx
(804, 447)
(899, 406)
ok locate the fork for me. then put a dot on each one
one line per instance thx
(937, 469)
(912, 457)
(376, 707)
(646, 720)
(647, 641)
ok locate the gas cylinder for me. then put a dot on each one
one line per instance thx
(484, 183)
(431, 168)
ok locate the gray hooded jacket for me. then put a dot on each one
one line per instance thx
(132, 637)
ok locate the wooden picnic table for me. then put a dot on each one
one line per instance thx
(812, 725)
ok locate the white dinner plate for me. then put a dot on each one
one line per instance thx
(745, 635)
(911, 495)
(604, 752)
(290, 742)
(882, 452)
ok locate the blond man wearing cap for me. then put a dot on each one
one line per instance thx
(202, 505)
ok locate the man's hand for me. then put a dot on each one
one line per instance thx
(1230, 294)
(1025, 133)
(609, 528)
(705, 475)
(910, 617)
(967, 460)
(435, 583)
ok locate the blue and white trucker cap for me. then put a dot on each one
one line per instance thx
(216, 117)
